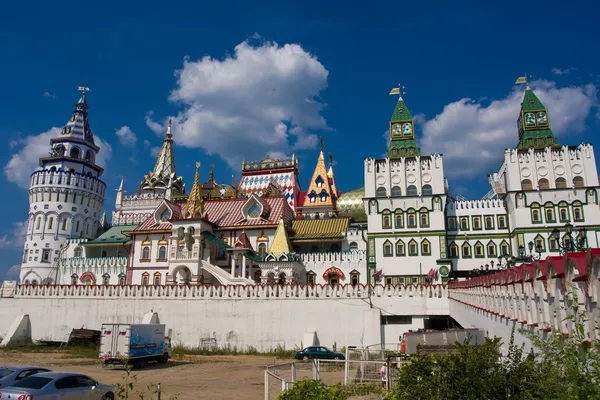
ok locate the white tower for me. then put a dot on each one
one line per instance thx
(65, 198)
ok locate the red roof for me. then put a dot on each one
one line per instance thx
(223, 213)
(150, 224)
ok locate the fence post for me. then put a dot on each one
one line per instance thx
(267, 394)
(294, 371)
(346, 371)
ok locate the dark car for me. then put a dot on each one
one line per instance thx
(319, 352)
(10, 375)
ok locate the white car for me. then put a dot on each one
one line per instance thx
(57, 385)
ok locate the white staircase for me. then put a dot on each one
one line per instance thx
(224, 277)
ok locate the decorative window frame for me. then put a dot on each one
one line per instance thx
(479, 246)
(469, 254)
(145, 279)
(451, 247)
(449, 222)
(563, 206)
(411, 213)
(476, 222)
(396, 191)
(386, 219)
(425, 247)
(398, 217)
(536, 213)
(504, 244)
(539, 239)
(549, 210)
(400, 248)
(387, 245)
(492, 245)
(486, 219)
(578, 206)
(311, 278)
(502, 218)
(412, 244)
(424, 212)
(460, 223)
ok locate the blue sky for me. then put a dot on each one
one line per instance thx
(241, 80)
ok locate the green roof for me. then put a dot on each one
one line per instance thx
(401, 112)
(531, 102)
(114, 235)
(403, 148)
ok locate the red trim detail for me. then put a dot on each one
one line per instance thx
(333, 270)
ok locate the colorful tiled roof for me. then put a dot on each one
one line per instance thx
(243, 242)
(401, 112)
(350, 204)
(150, 223)
(258, 183)
(319, 186)
(531, 101)
(226, 213)
(534, 130)
(319, 229)
(114, 235)
(281, 243)
(402, 144)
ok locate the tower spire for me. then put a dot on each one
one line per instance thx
(281, 242)
(403, 142)
(331, 177)
(195, 203)
(533, 123)
(165, 163)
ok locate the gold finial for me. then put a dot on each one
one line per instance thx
(197, 165)
(321, 142)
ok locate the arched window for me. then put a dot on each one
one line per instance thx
(78, 251)
(74, 278)
(64, 224)
(427, 190)
(145, 279)
(563, 211)
(396, 191)
(319, 181)
(561, 183)
(27, 282)
(162, 253)
(156, 279)
(504, 248)
(38, 223)
(381, 192)
(536, 216)
(75, 152)
(543, 184)
(106, 279)
(577, 211)
(425, 248)
(386, 220)
(311, 277)
(398, 219)
(549, 211)
(413, 248)
(411, 218)
(400, 248)
(323, 195)
(387, 249)
(89, 156)
(540, 244)
(353, 246)
(578, 182)
(333, 279)
(354, 277)
(254, 211)
(122, 280)
(146, 253)
(411, 190)
(50, 222)
(262, 250)
(526, 185)
(424, 217)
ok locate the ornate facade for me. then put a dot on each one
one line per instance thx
(417, 232)
(264, 229)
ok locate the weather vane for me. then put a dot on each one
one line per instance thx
(398, 90)
(523, 79)
(83, 88)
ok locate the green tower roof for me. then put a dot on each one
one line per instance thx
(534, 124)
(403, 141)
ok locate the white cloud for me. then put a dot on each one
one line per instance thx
(126, 136)
(13, 273)
(471, 135)
(154, 151)
(559, 71)
(50, 95)
(32, 148)
(262, 99)
(154, 126)
(16, 237)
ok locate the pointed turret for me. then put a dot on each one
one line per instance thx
(164, 176)
(195, 204)
(119, 197)
(320, 193)
(281, 243)
(331, 177)
(78, 125)
(533, 123)
(403, 142)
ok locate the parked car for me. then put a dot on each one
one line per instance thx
(10, 375)
(49, 385)
(320, 352)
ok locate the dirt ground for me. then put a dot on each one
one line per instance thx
(193, 377)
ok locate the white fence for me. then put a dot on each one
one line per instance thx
(330, 372)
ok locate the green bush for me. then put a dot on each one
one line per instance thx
(311, 389)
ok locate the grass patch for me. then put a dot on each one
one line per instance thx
(83, 352)
(279, 352)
